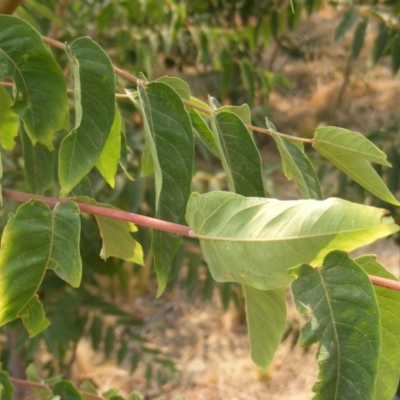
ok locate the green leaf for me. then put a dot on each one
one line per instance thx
(247, 76)
(94, 90)
(66, 390)
(345, 25)
(8, 121)
(169, 136)
(389, 310)
(381, 42)
(96, 331)
(6, 387)
(109, 341)
(254, 241)
(344, 318)
(41, 96)
(180, 86)
(348, 142)
(117, 240)
(395, 51)
(296, 164)
(135, 395)
(38, 164)
(87, 386)
(108, 161)
(239, 155)
(359, 37)
(227, 68)
(203, 131)
(65, 257)
(266, 317)
(146, 162)
(36, 238)
(243, 112)
(122, 352)
(33, 317)
(350, 152)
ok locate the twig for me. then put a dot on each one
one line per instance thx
(105, 212)
(386, 283)
(148, 222)
(134, 79)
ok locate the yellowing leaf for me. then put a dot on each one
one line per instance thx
(254, 241)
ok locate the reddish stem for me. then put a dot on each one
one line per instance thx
(147, 222)
(386, 283)
(105, 212)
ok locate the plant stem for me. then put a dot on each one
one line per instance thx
(148, 222)
(104, 212)
(134, 79)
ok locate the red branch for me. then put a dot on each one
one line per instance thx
(104, 212)
(147, 222)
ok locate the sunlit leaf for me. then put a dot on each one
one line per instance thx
(41, 97)
(344, 319)
(107, 163)
(94, 90)
(118, 241)
(350, 152)
(8, 121)
(389, 310)
(169, 137)
(254, 241)
(266, 317)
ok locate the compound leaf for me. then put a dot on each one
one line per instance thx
(94, 90)
(344, 318)
(41, 95)
(254, 241)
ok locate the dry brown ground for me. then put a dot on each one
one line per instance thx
(211, 347)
